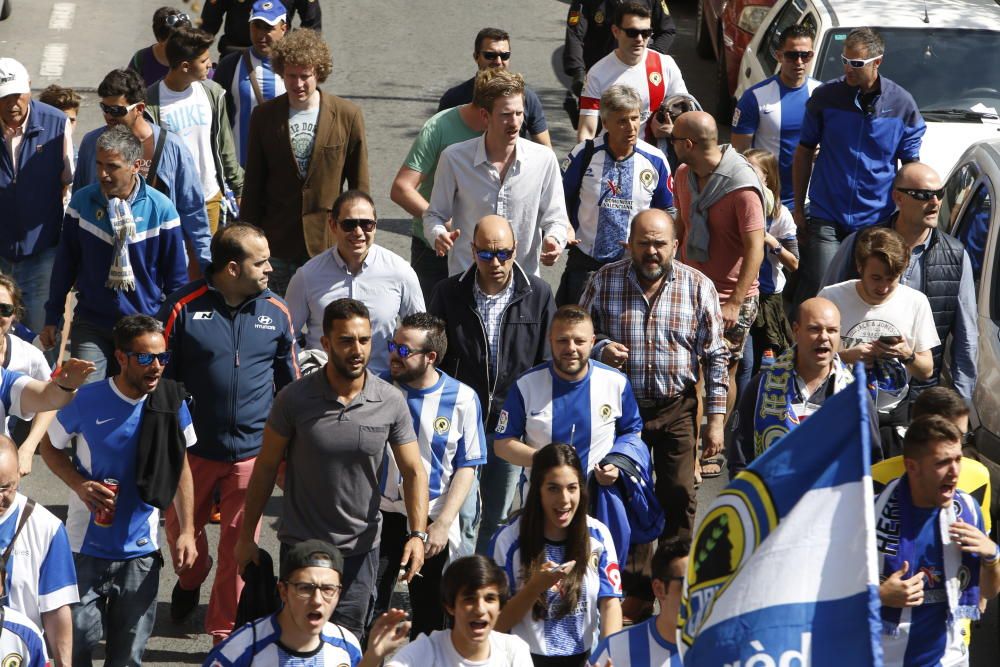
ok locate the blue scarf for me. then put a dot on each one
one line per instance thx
(774, 416)
(894, 509)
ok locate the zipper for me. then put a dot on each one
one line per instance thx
(236, 331)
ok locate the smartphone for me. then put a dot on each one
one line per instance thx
(890, 340)
(563, 567)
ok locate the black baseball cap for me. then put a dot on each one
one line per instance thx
(311, 553)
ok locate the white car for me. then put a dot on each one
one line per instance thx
(944, 54)
(969, 214)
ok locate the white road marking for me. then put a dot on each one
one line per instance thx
(53, 60)
(62, 16)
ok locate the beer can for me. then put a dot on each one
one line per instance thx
(103, 517)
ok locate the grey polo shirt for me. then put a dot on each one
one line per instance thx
(334, 454)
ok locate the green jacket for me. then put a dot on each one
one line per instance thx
(227, 167)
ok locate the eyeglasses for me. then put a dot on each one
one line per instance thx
(674, 137)
(503, 255)
(117, 110)
(922, 194)
(493, 55)
(403, 350)
(146, 358)
(177, 20)
(7, 309)
(632, 33)
(306, 590)
(857, 64)
(792, 56)
(350, 224)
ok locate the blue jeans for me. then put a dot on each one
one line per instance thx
(32, 275)
(496, 482)
(96, 344)
(824, 237)
(282, 271)
(119, 595)
(469, 515)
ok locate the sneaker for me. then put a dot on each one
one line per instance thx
(216, 515)
(183, 602)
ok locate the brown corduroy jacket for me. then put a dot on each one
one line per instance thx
(292, 211)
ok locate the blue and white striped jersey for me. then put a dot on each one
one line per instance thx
(772, 112)
(574, 633)
(21, 643)
(448, 421)
(40, 574)
(257, 643)
(11, 385)
(638, 645)
(244, 100)
(772, 277)
(106, 423)
(589, 414)
(604, 195)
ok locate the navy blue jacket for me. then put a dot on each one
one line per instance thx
(32, 201)
(232, 361)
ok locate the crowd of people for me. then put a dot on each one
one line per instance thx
(526, 460)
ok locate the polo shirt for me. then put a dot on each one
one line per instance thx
(334, 455)
(386, 283)
(534, 114)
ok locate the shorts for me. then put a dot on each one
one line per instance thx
(736, 335)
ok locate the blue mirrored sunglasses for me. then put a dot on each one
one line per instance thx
(403, 350)
(146, 358)
(504, 255)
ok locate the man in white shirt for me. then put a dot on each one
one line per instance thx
(499, 173)
(653, 75)
(887, 326)
(357, 268)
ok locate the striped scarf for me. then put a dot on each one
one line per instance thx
(120, 276)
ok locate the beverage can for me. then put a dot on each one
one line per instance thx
(103, 517)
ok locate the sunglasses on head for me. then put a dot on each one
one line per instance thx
(350, 224)
(792, 56)
(493, 55)
(7, 309)
(177, 20)
(503, 255)
(402, 350)
(857, 64)
(117, 110)
(921, 194)
(146, 358)
(632, 33)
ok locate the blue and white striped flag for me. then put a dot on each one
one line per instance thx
(783, 568)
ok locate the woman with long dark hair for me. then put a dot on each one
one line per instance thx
(561, 565)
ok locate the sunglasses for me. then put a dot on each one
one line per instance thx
(350, 224)
(7, 309)
(792, 56)
(146, 358)
(632, 33)
(857, 64)
(503, 255)
(923, 194)
(403, 350)
(117, 110)
(493, 55)
(177, 20)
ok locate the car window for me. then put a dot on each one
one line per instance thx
(809, 21)
(974, 226)
(766, 50)
(956, 193)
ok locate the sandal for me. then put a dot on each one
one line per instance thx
(712, 467)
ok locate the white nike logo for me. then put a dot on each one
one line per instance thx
(104, 421)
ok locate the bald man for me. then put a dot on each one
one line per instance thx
(785, 394)
(497, 318)
(940, 267)
(40, 578)
(720, 211)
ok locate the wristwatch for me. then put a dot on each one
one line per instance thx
(909, 359)
(776, 250)
(419, 534)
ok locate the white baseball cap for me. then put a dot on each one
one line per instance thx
(13, 78)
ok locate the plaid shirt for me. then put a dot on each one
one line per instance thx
(667, 339)
(491, 309)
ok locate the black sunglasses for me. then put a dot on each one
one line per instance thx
(804, 56)
(403, 350)
(177, 20)
(117, 110)
(146, 358)
(503, 255)
(7, 309)
(632, 33)
(923, 194)
(350, 224)
(493, 55)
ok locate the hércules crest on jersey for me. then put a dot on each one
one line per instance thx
(648, 179)
(605, 412)
(442, 425)
(12, 660)
(99, 214)
(655, 78)
(598, 17)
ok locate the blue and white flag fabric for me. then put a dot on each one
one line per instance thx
(783, 568)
